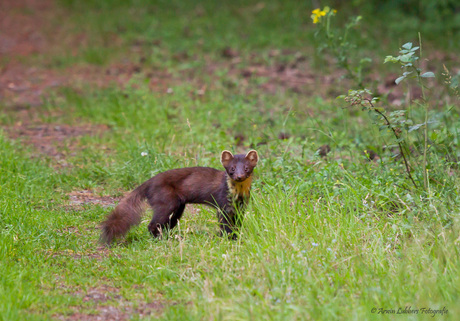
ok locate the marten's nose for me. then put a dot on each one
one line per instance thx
(239, 177)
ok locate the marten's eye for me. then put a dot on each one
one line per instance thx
(246, 169)
(232, 169)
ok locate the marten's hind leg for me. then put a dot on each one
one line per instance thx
(165, 216)
(176, 216)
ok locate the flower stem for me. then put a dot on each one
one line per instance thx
(425, 148)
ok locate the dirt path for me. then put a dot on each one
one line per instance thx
(21, 35)
(28, 28)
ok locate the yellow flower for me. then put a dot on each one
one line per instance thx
(317, 14)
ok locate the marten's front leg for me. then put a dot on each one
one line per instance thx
(227, 223)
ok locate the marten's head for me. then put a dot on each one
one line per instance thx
(239, 167)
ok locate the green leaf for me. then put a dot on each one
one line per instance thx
(407, 45)
(415, 48)
(407, 57)
(397, 113)
(399, 79)
(390, 59)
(428, 74)
(415, 127)
(365, 60)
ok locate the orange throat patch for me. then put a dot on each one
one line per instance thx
(239, 189)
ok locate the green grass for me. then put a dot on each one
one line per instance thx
(321, 239)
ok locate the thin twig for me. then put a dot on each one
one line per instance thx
(397, 139)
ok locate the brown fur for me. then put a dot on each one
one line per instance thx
(167, 193)
(126, 214)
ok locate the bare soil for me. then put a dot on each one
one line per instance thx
(89, 197)
(53, 139)
(105, 303)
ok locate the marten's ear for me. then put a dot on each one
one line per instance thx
(226, 157)
(252, 157)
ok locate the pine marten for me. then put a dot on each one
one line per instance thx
(168, 192)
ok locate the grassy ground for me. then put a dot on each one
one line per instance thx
(323, 238)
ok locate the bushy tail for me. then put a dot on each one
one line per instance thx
(127, 213)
